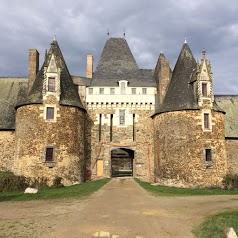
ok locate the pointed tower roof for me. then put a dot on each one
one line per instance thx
(180, 94)
(68, 94)
(117, 63)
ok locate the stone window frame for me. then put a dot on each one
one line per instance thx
(49, 163)
(51, 86)
(112, 90)
(208, 156)
(101, 90)
(122, 117)
(45, 113)
(133, 91)
(49, 76)
(90, 91)
(123, 87)
(204, 126)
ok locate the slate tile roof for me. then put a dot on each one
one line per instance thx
(180, 94)
(8, 99)
(68, 93)
(117, 63)
(229, 103)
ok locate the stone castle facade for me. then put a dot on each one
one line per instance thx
(119, 120)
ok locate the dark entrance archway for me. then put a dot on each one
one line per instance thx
(122, 162)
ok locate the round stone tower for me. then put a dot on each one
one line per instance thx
(50, 123)
(189, 126)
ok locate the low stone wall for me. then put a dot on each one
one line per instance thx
(7, 143)
(232, 155)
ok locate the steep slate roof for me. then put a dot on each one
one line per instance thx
(68, 95)
(8, 99)
(229, 103)
(117, 63)
(180, 95)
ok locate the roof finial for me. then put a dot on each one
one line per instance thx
(185, 40)
(161, 52)
(54, 38)
(204, 53)
(108, 34)
(124, 33)
(45, 54)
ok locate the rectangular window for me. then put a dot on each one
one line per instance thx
(112, 90)
(50, 113)
(51, 84)
(111, 125)
(204, 90)
(49, 154)
(134, 128)
(90, 91)
(144, 90)
(133, 91)
(100, 128)
(206, 121)
(101, 90)
(208, 155)
(122, 117)
(123, 88)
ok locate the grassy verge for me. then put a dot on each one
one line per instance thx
(214, 226)
(75, 191)
(172, 191)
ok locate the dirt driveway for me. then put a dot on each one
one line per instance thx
(120, 209)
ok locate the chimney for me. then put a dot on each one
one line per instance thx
(162, 76)
(33, 66)
(89, 73)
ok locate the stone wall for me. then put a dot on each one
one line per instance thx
(7, 140)
(65, 135)
(232, 155)
(122, 137)
(179, 148)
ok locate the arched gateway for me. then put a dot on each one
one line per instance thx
(122, 162)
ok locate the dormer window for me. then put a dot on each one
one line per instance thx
(123, 88)
(204, 90)
(51, 84)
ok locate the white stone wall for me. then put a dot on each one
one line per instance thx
(118, 101)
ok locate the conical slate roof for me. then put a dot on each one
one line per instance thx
(68, 94)
(117, 63)
(180, 94)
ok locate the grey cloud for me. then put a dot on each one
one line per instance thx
(151, 26)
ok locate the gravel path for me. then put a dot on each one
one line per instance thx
(121, 209)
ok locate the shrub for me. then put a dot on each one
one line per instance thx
(38, 183)
(12, 183)
(57, 182)
(230, 181)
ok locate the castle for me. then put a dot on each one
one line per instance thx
(119, 120)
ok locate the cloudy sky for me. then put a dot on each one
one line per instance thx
(151, 26)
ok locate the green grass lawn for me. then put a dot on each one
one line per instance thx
(214, 226)
(173, 191)
(75, 191)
